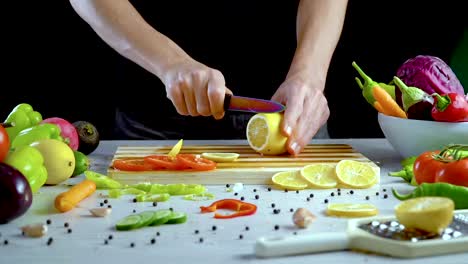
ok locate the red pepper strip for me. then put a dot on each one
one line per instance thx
(451, 107)
(241, 208)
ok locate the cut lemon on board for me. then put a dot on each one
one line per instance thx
(264, 134)
(356, 174)
(431, 214)
(220, 156)
(290, 180)
(176, 148)
(320, 175)
(351, 210)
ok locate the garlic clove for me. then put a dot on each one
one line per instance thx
(101, 212)
(303, 218)
(35, 230)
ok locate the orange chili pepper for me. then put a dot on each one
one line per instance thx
(241, 208)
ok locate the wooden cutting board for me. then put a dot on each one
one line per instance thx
(249, 168)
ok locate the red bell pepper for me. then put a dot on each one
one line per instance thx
(241, 208)
(451, 107)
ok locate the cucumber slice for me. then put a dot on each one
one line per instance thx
(147, 217)
(177, 218)
(160, 217)
(128, 222)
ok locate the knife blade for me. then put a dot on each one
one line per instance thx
(253, 105)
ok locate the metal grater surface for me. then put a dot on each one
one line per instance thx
(394, 230)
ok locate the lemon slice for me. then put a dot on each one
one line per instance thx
(264, 134)
(290, 180)
(220, 157)
(431, 214)
(352, 209)
(320, 175)
(356, 174)
(176, 148)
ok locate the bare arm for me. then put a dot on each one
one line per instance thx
(193, 88)
(319, 26)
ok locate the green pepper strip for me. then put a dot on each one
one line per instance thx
(459, 194)
(241, 208)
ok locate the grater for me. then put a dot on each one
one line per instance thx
(379, 234)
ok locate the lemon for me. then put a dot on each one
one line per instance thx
(220, 157)
(351, 210)
(290, 180)
(356, 174)
(176, 148)
(431, 214)
(264, 134)
(320, 175)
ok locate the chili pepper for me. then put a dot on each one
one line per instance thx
(369, 85)
(241, 208)
(21, 117)
(30, 162)
(451, 107)
(407, 173)
(36, 133)
(458, 194)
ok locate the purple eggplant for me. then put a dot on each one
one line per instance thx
(15, 193)
(415, 102)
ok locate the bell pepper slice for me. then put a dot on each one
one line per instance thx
(241, 208)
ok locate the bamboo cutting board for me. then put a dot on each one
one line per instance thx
(249, 168)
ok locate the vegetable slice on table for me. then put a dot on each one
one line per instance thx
(177, 218)
(164, 162)
(221, 156)
(102, 181)
(351, 210)
(176, 149)
(135, 164)
(147, 217)
(241, 208)
(196, 163)
(128, 222)
(69, 199)
(161, 217)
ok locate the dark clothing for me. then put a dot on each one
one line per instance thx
(251, 42)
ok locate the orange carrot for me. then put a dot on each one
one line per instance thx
(388, 104)
(69, 199)
(379, 108)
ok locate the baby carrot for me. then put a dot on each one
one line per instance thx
(69, 199)
(388, 104)
(379, 108)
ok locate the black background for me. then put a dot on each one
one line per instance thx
(54, 61)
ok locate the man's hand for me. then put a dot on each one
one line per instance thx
(196, 89)
(306, 111)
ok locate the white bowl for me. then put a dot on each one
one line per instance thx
(410, 137)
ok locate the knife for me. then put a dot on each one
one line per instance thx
(253, 105)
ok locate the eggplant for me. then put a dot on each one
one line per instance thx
(416, 103)
(15, 193)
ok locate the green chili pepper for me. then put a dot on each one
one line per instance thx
(102, 181)
(369, 84)
(406, 173)
(30, 162)
(162, 197)
(36, 133)
(20, 118)
(459, 194)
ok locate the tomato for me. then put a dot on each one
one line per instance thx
(197, 163)
(164, 162)
(132, 165)
(455, 172)
(425, 167)
(4, 143)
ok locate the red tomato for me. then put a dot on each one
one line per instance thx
(455, 172)
(426, 167)
(196, 163)
(4, 143)
(164, 162)
(132, 165)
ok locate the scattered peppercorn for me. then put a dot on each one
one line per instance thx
(172, 209)
(201, 239)
(325, 201)
(227, 185)
(134, 200)
(106, 201)
(109, 206)
(272, 205)
(49, 241)
(158, 234)
(241, 236)
(332, 194)
(155, 204)
(153, 241)
(351, 192)
(48, 222)
(247, 228)
(256, 196)
(308, 199)
(196, 231)
(132, 244)
(134, 210)
(5, 242)
(275, 211)
(276, 227)
(339, 193)
(111, 237)
(106, 242)
(294, 233)
(255, 190)
(69, 230)
(65, 225)
(291, 210)
(297, 191)
(269, 189)
(377, 193)
(338, 190)
(385, 196)
(101, 204)
(235, 194)
(242, 198)
(384, 190)
(285, 190)
(367, 197)
(213, 228)
(311, 195)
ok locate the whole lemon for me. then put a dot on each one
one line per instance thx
(264, 134)
(59, 159)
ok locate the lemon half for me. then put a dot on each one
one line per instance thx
(290, 180)
(264, 134)
(356, 174)
(320, 175)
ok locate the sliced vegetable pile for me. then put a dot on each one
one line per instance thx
(423, 88)
(150, 218)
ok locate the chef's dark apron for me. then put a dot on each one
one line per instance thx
(251, 42)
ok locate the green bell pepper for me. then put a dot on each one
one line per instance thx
(36, 133)
(30, 162)
(21, 117)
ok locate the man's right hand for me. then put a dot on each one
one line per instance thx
(196, 89)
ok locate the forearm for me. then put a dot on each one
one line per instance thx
(319, 26)
(120, 25)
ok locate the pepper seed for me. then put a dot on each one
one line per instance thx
(235, 194)
(384, 190)
(351, 192)
(227, 185)
(49, 241)
(158, 234)
(134, 210)
(106, 242)
(242, 198)
(286, 190)
(255, 190)
(297, 191)
(377, 193)
(308, 199)
(201, 240)
(332, 194)
(5, 242)
(134, 200)
(367, 197)
(109, 206)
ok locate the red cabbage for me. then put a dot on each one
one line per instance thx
(430, 74)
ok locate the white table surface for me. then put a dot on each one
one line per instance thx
(179, 243)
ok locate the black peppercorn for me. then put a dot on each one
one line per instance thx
(101, 204)
(235, 194)
(367, 197)
(5, 242)
(256, 196)
(339, 193)
(106, 242)
(155, 204)
(153, 241)
(351, 192)
(276, 227)
(385, 196)
(201, 240)
(308, 199)
(48, 222)
(269, 189)
(158, 234)
(196, 231)
(255, 190)
(227, 185)
(69, 230)
(65, 225)
(325, 201)
(111, 237)
(384, 190)
(109, 206)
(172, 209)
(311, 195)
(285, 190)
(247, 228)
(106, 201)
(377, 193)
(241, 236)
(134, 210)
(332, 194)
(272, 205)
(297, 191)
(242, 198)
(132, 244)
(134, 200)
(291, 210)
(213, 228)
(49, 241)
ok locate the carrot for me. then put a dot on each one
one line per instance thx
(69, 199)
(388, 104)
(379, 108)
